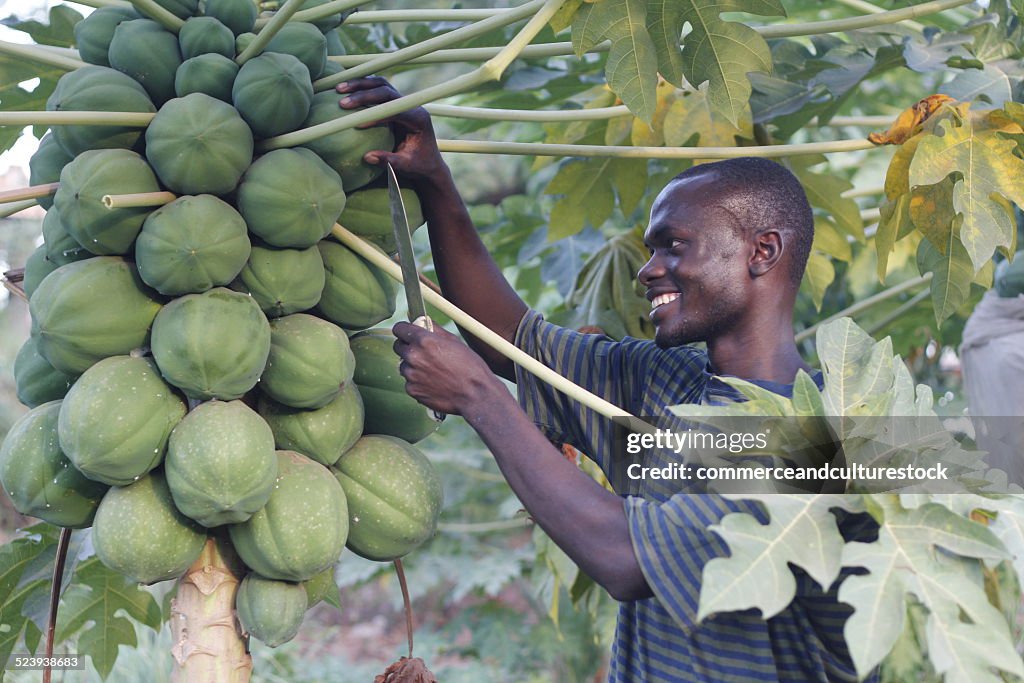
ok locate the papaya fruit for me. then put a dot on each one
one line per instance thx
(282, 281)
(147, 52)
(327, 23)
(242, 41)
(272, 92)
(322, 587)
(94, 33)
(237, 15)
(335, 48)
(290, 198)
(368, 214)
(389, 409)
(220, 463)
(270, 611)
(303, 41)
(79, 199)
(302, 529)
(205, 35)
(356, 294)
(61, 248)
(46, 164)
(183, 9)
(211, 345)
(139, 533)
(191, 245)
(394, 497)
(89, 310)
(116, 419)
(322, 434)
(35, 380)
(209, 74)
(37, 267)
(343, 151)
(38, 477)
(199, 145)
(97, 88)
(309, 361)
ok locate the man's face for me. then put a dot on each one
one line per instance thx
(698, 278)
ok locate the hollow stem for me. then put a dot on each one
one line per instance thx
(34, 53)
(865, 304)
(628, 152)
(158, 14)
(127, 201)
(15, 207)
(318, 12)
(270, 30)
(75, 118)
(31, 192)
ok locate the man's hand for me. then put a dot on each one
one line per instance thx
(440, 371)
(416, 158)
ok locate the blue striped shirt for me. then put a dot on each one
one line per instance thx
(659, 638)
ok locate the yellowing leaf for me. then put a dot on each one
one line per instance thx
(693, 115)
(908, 122)
(829, 241)
(818, 276)
(931, 211)
(824, 191)
(893, 223)
(653, 134)
(564, 16)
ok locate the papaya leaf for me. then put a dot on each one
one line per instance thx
(653, 134)
(931, 211)
(829, 241)
(15, 558)
(693, 115)
(855, 366)
(952, 273)
(893, 223)
(59, 31)
(987, 165)
(564, 16)
(824, 192)
(589, 189)
(818, 275)
(990, 86)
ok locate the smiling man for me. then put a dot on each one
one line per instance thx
(728, 242)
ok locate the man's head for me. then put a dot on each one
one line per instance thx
(727, 239)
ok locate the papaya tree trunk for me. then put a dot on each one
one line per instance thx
(208, 642)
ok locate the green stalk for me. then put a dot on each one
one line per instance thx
(880, 121)
(32, 192)
(451, 38)
(866, 192)
(628, 152)
(488, 114)
(868, 8)
(467, 54)
(318, 12)
(16, 207)
(102, 3)
(865, 304)
(275, 24)
(395, 15)
(854, 23)
(158, 14)
(899, 312)
(75, 118)
(127, 201)
(34, 53)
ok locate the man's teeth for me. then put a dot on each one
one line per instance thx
(664, 299)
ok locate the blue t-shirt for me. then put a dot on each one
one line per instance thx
(659, 638)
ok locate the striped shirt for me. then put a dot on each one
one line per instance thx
(659, 638)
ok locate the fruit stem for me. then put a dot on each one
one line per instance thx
(275, 24)
(406, 601)
(34, 53)
(158, 14)
(128, 201)
(495, 341)
(868, 8)
(489, 114)
(102, 3)
(58, 580)
(318, 12)
(395, 15)
(16, 207)
(32, 192)
(75, 118)
(12, 281)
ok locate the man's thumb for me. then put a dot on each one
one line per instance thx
(379, 157)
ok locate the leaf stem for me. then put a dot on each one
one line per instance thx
(127, 201)
(318, 12)
(275, 24)
(489, 114)
(159, 14)
(396, 15)
(465, 54)
(16, 207)
(34, 53)
(867, 7)
(865, 192)
(75, 118)
(854, 23)
(879, 121)
(405, 601)
(865, 304)
(899, 312)
(628, 152)
(56, 582)
(31, 192)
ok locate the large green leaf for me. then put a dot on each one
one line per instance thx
(952, 273)
(59, 31)
(588, 190)
(16, 558)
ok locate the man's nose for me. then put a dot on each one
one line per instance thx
(650, 271)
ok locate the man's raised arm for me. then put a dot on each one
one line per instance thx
(468, 275)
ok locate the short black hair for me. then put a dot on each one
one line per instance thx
(765, 194)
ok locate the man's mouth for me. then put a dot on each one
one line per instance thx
(663, 299)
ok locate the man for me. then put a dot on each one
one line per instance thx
(728, 247)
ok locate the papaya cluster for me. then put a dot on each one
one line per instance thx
(205, 367)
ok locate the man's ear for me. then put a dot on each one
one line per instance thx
(769, 246)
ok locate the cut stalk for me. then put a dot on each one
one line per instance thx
(34, 53)
(394, 15)
(494, 340)
(76, 118)
(31, 192)
(275, 24)
(870, 215)
(318, 12)
(446, 40)
(158, 14)
(624, 151)
(16, 207)
(128, 201)
(865, 304)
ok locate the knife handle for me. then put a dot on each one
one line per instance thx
(428, 325)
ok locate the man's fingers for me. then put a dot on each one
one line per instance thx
(362, 84)
(407, 332)
(368, 98)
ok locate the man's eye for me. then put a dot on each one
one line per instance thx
(675, 243)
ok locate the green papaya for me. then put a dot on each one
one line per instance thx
(88, 310)
(46, 164)
(94, 33)
(97, 88)
(343, 151)
(199, 145)
(323, 23)
(272, 92)
(191, 245)
(394, 497)
(147, 52)
(205, 35)
(322, 434)
(290, 198)
(237, 15)
(183, 9)
(303, 41)
(389, 409)
(331, 68)
(270, 611)
(116, 419)
(83, 184)
(212, 345)
(302, 529)
(139, 533)
(356, 294)
(368, 214)
(209, 74)
(335, 48)
(309, 361)
(38, 477)
(35, 380)
(37, 267)
(242, 41)
(61, 248)
(220, 463)
(282, 281)
(322, 587)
